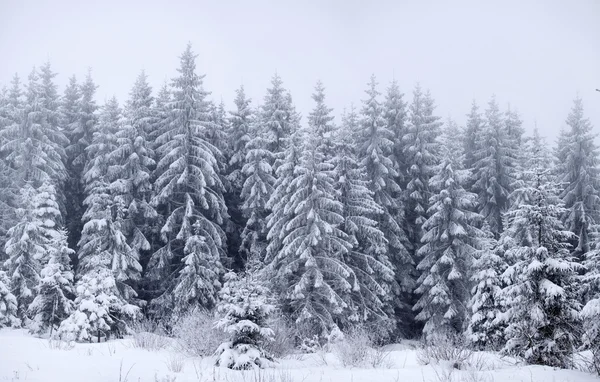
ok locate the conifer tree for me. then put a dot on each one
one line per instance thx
(581, 177)
(374, 152)
(320, 121)
(189, 191)
(396, 115)
(421, 150)
(130, 170)
(542, 306)
(256, 191)
(450, 243)
(494, 169)
(372, 300)
(309, 268)
(241, 124)
(8, 304)
(34, 145)
(474, 128)
(244, 307)
(55, 293)
(484, 330)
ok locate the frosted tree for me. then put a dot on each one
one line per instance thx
(484, 331)
(590, 314)
(256, 191)
(241, 124)
(103, 243)
(450, 241)
(581, 177)
(396, 118)
(189, 191)
(244, 308)
(374, 152)
(99, 310)
(451, 140)
(421, 150)
(35, 146)
(309, 269)
(55, 293)
(8, 304)
(277, 117)
(160, 119)
(542, 306)
(130, 170)
(494, 169)
(280, 215)
(27, 250)
(79, 120)
(473, 130)
(321, 122)
(377, 287)
(514, 126)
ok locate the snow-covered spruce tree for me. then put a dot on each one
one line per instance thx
(244, 307)
(130, 171)
(277, 118)
(284, 188)
(8, 304)
(256, 191)
(35, 146)
(102, 240)
(189, 193)
(452, 140)
(582, 179)
(372, 301)
(78, 112)
(450, 241)
(27, 245)
(396, 119)
(494, 169)
(55, 293)
(484, 330)
(542, 306)
(321, 122)
(374, 153)
(474, 128)
(309, 269)
(421, 151)
(241, 121)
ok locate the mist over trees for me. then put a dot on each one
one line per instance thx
(389, 219)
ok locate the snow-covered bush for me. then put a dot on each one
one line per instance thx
(196, 334)
(353, 349)
(451, 349)
(8, 304)
(284, 337)
(244, 307)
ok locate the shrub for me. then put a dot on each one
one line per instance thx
(196, 333)
(449, 349)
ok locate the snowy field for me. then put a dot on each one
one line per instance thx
(26, 358)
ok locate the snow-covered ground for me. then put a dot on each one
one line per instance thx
(25, 358)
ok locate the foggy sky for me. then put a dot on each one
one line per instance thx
(535, 55)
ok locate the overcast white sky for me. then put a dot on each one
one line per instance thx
(535, 55)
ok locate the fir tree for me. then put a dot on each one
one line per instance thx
(371, 301)
(241, 124)
(8, 304)
(494, 169)
(309, 268)
(450, 242)
(130, 171)
(541, 295)
(53, 302)
(374, 152)
(474, 129)
(244, 308)
(277, 118)
(189, 190)
(421, 151)
(34, 145)
(320, 121)
(396, 115)
(581, 177)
